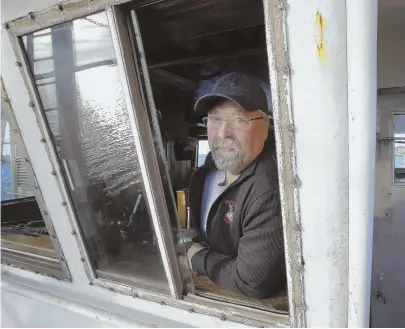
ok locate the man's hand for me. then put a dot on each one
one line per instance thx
(184, 267)
(196, 247)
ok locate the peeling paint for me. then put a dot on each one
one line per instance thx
(53, 15)
(320, 37)
(278, 57)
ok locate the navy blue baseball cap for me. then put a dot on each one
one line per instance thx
(240, 88)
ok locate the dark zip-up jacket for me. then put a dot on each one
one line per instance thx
(245, 245)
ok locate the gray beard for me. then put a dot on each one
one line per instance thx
(230, 161)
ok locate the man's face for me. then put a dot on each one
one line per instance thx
(234, 149)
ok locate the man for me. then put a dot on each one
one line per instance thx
(234, 197)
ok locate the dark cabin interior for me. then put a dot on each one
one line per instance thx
(188, 45)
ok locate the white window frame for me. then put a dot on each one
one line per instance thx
(57, 267)
(279, 68)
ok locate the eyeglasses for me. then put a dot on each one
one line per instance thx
(234, 123)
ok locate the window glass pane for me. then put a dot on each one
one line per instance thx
(85, 109)
(40, 43)
(22, 226)
(203, 150)
(399, 148)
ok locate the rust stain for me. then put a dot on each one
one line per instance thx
(320, 41)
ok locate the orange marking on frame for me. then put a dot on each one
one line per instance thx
(320, 41)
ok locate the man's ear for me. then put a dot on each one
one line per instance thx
(268, 126)
(263, 130)
(266, 131)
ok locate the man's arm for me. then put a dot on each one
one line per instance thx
(259, 269)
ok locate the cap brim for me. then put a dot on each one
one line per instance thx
(206, 102)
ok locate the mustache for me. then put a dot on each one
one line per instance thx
(229, 143)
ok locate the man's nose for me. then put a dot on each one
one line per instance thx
(224, 131)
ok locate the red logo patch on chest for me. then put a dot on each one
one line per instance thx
(233, 205)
